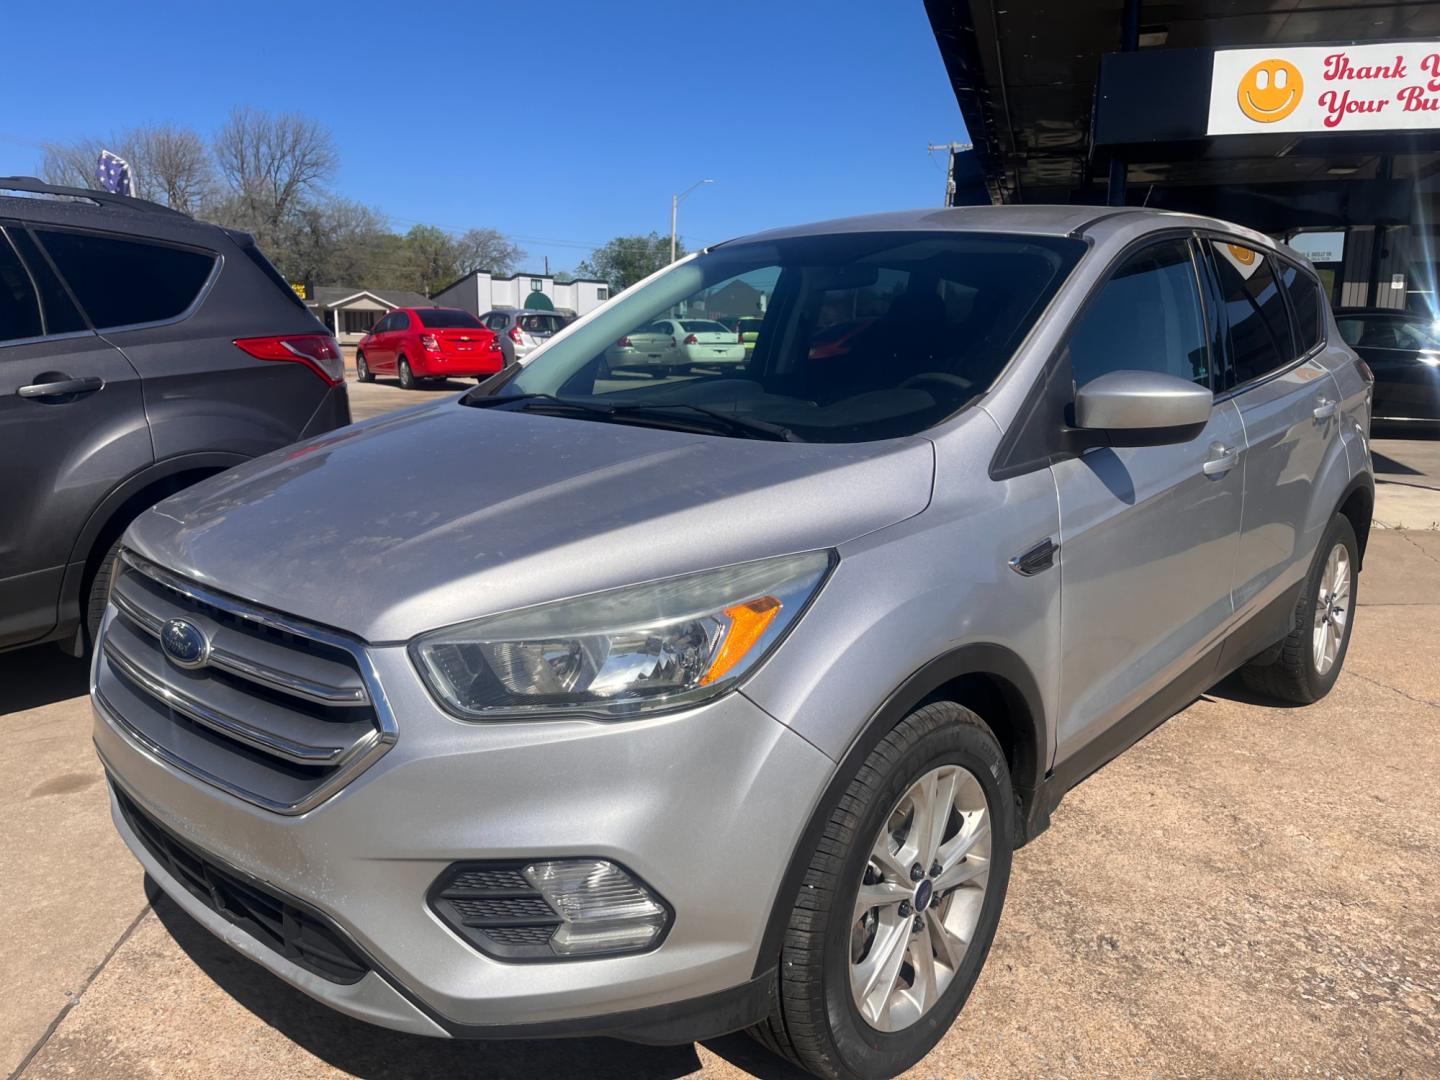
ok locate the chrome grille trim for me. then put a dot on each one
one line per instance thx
(345, 763)
(229, 726)
(285, 682)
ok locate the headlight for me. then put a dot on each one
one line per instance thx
(624, 651)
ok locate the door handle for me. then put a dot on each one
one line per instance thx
(1325, 410)
(1221, 460)
(61, 387)
(1035, 559)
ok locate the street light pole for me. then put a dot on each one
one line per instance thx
(675, 210)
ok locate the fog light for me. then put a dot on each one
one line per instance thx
(551, 909)
(603, 909)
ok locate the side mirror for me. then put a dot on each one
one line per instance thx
(1143, 408)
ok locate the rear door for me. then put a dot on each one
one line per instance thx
(1287, 402)
(1148, 534)
(72, 427)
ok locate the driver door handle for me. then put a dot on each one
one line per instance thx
(1325, 410)
(60, 388)
(1221, 460)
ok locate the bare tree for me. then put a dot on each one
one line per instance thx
(488, 250)
(168, 164)
(272, 164)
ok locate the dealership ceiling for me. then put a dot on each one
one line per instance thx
(1025, 76)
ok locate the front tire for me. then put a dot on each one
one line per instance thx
(362, 369)
(407, 377)
(869, 979)
(1311, 656)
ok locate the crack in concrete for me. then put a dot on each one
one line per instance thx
(73, 997)
(1394, 689)
(1402, 534)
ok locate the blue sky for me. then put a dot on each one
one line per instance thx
(561, 124)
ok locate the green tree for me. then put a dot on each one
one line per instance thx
(627, 259)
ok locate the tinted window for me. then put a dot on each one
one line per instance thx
(19, 308)
(541, 324)
(57, 310)
(1388, 332)
(401, 320)
(443, 317)
(935, 318)
(1147, 317)
(1306, 300)
(701, 326)
(120, 282)
(1259, 325)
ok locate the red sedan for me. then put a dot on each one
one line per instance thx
(428, 343)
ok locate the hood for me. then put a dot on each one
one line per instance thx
(445, 513)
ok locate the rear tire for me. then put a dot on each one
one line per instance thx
(406, 376)
(1309, 662)
(838, 1009)
(362, 369)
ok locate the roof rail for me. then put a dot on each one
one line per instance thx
(36, 186)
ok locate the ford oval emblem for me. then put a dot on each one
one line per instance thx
(184, 643)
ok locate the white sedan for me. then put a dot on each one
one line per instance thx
(667, 346)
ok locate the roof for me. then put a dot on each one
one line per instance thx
(1041, 220)
(512, 277)
(1024, 74)
(330, 296)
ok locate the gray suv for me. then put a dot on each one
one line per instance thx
(723, 700)
(133, 362)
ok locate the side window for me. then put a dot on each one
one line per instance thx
(19, 307)
(1259, 325)
(496, 322)
(381, 326)
(57, 310)
(1306, 301)
(399, 320)
(122, 282)
(1147, 317)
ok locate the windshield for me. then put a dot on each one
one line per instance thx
(847, 337)
(541, 324)
(441, 318)
(1389, 332)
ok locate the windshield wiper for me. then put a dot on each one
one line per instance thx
(730, 421)
(701, 418)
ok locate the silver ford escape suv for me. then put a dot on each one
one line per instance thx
(594, 703)
(140, 351)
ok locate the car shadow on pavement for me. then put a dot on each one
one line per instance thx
(41, 675)
(1233, 688)
(374, 1053)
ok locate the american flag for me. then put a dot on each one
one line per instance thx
(113, 174)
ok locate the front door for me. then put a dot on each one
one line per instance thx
(72, 427)
(1147, 534)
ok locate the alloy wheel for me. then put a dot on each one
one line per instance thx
(1332, 609)
(920, 898)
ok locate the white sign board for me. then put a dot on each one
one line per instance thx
(1320, 247)
(1339, 88)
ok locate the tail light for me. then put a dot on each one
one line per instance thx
(1365, 372)
(428, 343)
(515, 335)
(623, 343)
(691, 340)
(319, 352)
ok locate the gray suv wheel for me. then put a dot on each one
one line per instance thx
(900, 903)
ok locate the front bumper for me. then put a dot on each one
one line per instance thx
(705, 805)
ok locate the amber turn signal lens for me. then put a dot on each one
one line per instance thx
(748, 623)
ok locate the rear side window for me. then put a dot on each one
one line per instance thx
(57, 310)
(19, 307)
(1147, 317)
(120, 282)
(1259, 324)
(440, 318)
(400, 320)
(1306, 300)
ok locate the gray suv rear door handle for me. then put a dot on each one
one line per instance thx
(1221, 460)
(1325, 410)
(60, 388)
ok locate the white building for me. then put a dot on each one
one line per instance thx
(480, 292)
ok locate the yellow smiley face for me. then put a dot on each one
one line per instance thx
(1242, 255)
(1270, 91)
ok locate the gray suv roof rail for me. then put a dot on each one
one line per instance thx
(35, 186)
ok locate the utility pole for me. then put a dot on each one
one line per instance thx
(675, 210)
(953, 148)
